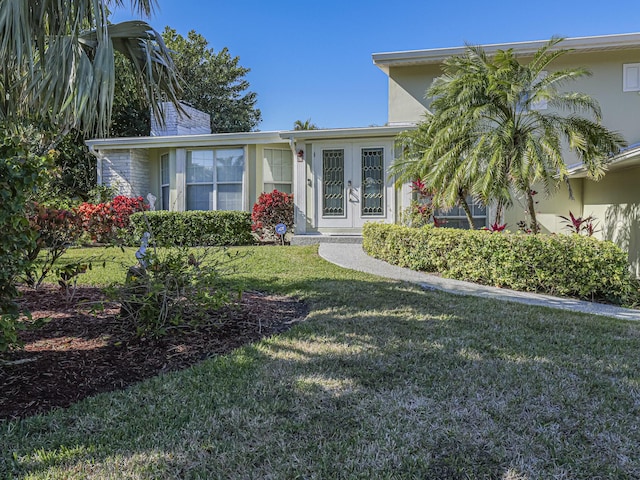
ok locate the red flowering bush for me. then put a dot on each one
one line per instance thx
(105, 221)
(271, 209)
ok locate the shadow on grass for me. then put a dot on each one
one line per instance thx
(382, 380)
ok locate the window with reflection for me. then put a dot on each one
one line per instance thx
(214, 179)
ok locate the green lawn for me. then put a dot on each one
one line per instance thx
(383, 380)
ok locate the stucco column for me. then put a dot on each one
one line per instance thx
(181, 178)
(300, 190)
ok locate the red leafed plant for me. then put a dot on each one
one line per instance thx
(103, 221)
(271, 209)
(580, 225)
(439, 222)
(496, 227)
(419, 187)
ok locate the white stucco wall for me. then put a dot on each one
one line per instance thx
(620, 109)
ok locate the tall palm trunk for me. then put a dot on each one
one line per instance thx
(462, 201)
(532, 213)
(499, 211)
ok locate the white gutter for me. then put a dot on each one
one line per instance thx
(580, 171)
(242, 138)
(339, 133)
(204, 140)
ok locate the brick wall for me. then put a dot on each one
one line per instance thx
(116, 170)
(194, 122)
(127, 170)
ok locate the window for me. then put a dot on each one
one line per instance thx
(229, 172)
(456, 218)
(278, 170)
(631, 77)
(214, 179)
(164, 181)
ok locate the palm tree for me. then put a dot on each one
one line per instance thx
(498, 127)
(306, 125)
(58, 61)
(448, 187)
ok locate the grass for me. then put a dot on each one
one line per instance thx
(383, 380)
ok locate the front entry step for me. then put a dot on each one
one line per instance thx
(316, 239)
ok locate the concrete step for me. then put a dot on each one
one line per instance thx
(316, 239)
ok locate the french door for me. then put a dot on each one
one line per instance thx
(351, 184)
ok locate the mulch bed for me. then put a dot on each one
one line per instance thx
(79, 353)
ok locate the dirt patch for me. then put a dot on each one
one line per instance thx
(79, 352)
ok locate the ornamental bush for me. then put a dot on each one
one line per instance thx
(105, 221)
(570, 265)
(176, 288)
(270, 210)
(193, 228)
(57, 230)
(21, 172)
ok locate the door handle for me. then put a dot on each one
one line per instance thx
(353, 196)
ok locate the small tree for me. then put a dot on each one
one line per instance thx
(498, 127)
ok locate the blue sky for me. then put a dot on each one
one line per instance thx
(313, 59)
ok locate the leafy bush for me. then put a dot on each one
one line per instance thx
(271, 209)
(57, 230)
(194, 228)
(21, 172)
(177, 288)
(105, 221)
(569, 265)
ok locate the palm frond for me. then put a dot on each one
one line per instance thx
(63, 60)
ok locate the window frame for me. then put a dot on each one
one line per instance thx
(213, 203)
(625, 85)
(264, 169)
(441, 214)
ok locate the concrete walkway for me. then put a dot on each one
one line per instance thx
(353, 257)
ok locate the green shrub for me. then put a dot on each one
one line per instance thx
(22, 170)
(175, 288)
(194, 228)
(570, 265)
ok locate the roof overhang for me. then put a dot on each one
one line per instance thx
(173, 141)
(344, 133)
(630, 157)
(436, 55)
(244, 138)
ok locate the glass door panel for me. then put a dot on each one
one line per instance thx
(372, 186)
(333, 183)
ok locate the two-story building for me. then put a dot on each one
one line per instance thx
(339, 176)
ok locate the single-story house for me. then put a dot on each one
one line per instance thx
(339, 176)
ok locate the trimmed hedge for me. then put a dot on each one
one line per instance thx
(570, 265)
(195, 228)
